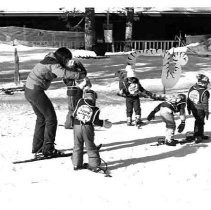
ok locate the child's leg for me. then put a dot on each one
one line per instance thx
(68, 123)
(72, 102)
(199, 116)
(168, 117)
(129, 110)
(92, 151)
(137, 109)
(77, 157)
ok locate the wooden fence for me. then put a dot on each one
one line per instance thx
(119, 46)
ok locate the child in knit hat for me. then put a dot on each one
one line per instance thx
(132, 90)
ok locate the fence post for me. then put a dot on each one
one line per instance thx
(16, 73)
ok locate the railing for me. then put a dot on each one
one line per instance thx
(119, 46)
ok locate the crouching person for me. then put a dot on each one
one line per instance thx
(86, 116)
(172, 105)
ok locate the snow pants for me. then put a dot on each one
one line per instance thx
(133, 103)
(85, 134)
(46, 122)
(72, 100)
(168, 117)
(199, 116)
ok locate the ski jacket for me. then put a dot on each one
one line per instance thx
(86, 113)
(198, 98)
(131, 87)
(47, 70)
(174, 107)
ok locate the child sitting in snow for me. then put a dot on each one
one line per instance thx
(198, 105)
(131, 89)
(168, 108)
(86, 116)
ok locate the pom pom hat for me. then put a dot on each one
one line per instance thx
(130, 71)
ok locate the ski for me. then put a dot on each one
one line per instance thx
(40, 156)
(189, 139)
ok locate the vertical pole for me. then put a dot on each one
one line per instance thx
(90, 34)
(164, 90)
(129, 28)
(16, 73)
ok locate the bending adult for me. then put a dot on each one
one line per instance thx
(54, 65)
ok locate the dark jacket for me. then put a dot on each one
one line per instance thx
(87, 113)
(198, 98)
(131, 87)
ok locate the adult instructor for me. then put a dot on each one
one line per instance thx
(54, 65)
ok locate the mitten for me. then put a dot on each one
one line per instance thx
(107, 124)
(151, 116)
(181, 126)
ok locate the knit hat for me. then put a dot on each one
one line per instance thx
(63, 55)
(130, 71)
(90, 95)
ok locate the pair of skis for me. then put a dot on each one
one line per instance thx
(189, 138)
(40, 156)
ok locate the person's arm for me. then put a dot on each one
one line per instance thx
(181, 126)
(205, 103)
(63, 73)
(152, 114)
(103, 123)
(147, 94)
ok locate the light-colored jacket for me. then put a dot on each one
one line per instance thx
(42, 75)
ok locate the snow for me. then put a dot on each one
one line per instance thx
(143, 176)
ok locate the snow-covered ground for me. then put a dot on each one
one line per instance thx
(143, 176)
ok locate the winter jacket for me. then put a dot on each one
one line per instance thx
(87, 113)
(174, 107)
(131, 87)
(47, 70)
(198, 98)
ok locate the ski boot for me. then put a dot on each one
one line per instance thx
(129, 121)
(138, 121)
(171, 142)
(189, 136)
(198, 139)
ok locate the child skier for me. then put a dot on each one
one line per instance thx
(75, 90)
(131, 89)
(198, 105)
(86, 116)
(168, 108)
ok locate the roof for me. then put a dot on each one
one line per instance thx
(121, 11)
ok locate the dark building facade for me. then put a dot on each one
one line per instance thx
(147, 25)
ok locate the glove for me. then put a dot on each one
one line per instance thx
(107, 124)
(181, 127)
(158, 97)
(207, 115)
(151, 116)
